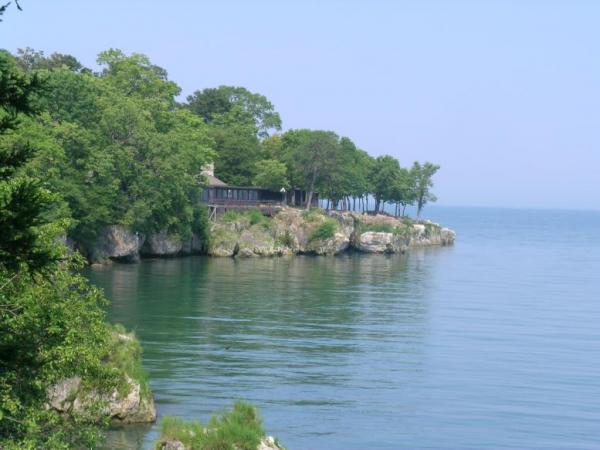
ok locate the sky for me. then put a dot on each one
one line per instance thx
(504, 95)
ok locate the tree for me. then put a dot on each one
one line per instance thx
(422, 178)
(254, 108)
(236, 145)
(402, 190)
(118, 152)
(22, 199)
(5, 6)
(51, 321)
(30, 60)
(271, 174)
(136, 75)
(384, 174)
(312, 156)
(338, 181)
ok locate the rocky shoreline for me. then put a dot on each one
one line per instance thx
(290, 231)
(129, 403)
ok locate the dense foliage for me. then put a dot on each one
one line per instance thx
(119, 148)
(115, 145)
(51, 322)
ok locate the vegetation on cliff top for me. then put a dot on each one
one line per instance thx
(120, 149)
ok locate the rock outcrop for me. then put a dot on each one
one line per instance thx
(294, 231)
(161, 244)
(290, 231)
(69, 397)
(165, 245)
(117, 242)
(380, 242)
(267, 443)
(130, 402)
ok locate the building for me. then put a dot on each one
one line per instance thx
(221, 196)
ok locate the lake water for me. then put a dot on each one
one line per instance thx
(493, 343)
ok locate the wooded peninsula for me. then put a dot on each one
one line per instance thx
(83, 151)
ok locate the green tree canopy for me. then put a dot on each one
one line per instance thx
(312, 157)
(382, 178)
(422, 175)
(117, 149)
(271, 174)
(51, 322)
(253, 108)
(30, 59)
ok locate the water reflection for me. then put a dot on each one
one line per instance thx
(302, 337)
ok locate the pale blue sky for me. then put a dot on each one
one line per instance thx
(505, 95)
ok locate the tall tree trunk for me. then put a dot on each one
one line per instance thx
(327, 204)
(312, 188)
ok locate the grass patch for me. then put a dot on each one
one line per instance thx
(126, 356)
(429, 229)
(325, 230)
(312, 215)
(230, 216)
(285, 240)
(255, 216)
(377, 227)
(238, 429)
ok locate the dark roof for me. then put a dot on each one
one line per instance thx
(211, 180)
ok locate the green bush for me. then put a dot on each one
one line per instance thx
(201, 225)
(324, 231)
(312, 214)
(256, 216)
(240, 428)
(286, 240)
(125, 355)
(230, 216)
(377, 227)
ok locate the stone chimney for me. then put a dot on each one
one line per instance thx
(208, 170)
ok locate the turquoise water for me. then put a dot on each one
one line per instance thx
(491, 344)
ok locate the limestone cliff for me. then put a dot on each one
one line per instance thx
(294, 231)
(290, 231)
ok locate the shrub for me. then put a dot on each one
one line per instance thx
(240, 428)
(230, 216)
(377, 227)
(286, 240)
(312, 214)
(256, 216)
(324, 231)
(125, 355)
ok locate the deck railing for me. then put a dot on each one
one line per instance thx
(229, 202)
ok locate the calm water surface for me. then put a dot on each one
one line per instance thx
(491, 344)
